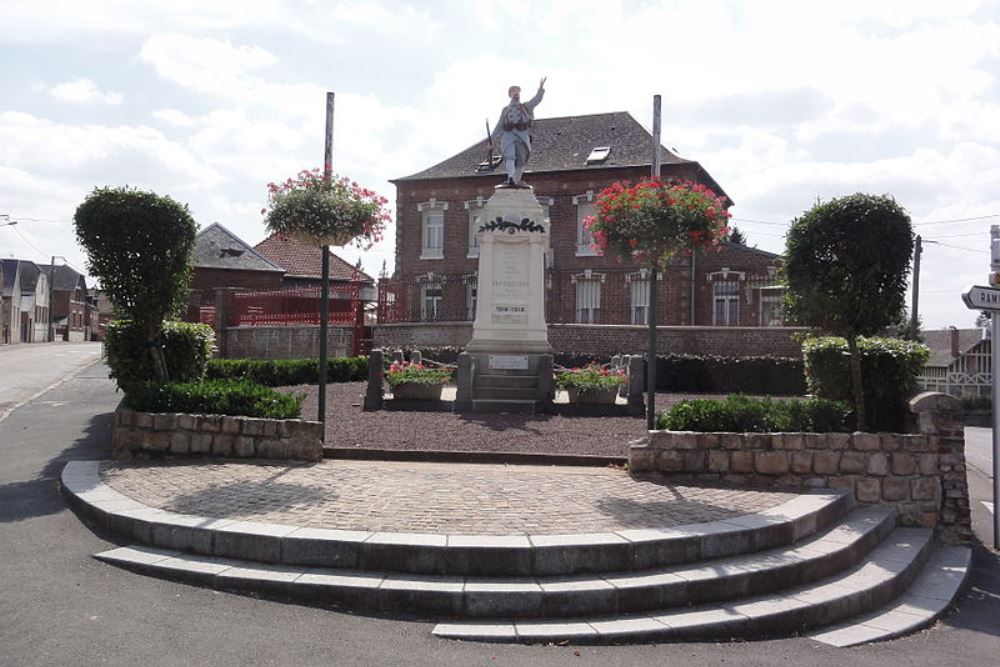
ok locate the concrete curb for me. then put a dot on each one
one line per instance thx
(461, 555)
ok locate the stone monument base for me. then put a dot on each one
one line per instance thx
(504, 382)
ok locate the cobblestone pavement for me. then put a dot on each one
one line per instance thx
(456, 499)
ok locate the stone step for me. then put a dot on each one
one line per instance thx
(884, 575)
(459, 555)
(539, 597)
(494, 393)
(930, 596)
(508, 381)
(516, 407)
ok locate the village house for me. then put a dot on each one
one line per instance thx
(72, 311)
(960, 363)
(34, 303)
(573, 158)
(10, 301)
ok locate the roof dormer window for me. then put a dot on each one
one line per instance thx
(598, 155)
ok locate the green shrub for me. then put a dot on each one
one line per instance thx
(288, 372)
(215, 397)
(187, 348)
(590, 379)
(977, 403)
(742, 414)
(400, 372)
(889, 368)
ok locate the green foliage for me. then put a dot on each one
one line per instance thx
(846, 264)
(187, 348)
(288, 372)
(139, 248)
(589, 379)
(736, 236)
(711, 374)
(214, 397)
(743, 414)
(977, 403)
(890, 367)
(400, 372)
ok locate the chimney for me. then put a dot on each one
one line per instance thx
(954, 342)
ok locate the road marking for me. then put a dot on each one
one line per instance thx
(73, 373)
(989, 506)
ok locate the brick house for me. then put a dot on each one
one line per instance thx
(573, 159)
(71, 307)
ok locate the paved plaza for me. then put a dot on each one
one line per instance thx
(456, 499)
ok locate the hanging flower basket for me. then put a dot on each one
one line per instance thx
(652, 221)
(325, 211)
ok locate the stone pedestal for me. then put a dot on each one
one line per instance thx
(510, 313)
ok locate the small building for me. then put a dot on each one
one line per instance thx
(34, 303)
(960, 363)
(71, 311)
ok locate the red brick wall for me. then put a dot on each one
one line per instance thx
(674, 293)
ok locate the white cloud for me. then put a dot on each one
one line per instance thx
(83, 91)
(175, 118)
(205, 65)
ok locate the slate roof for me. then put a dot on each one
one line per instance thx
(301, 260)
(8, 271)
(939, 342)
(67, 278)
(29, 276)
(215, 247)
(563, 144)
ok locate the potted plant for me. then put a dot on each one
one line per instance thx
(325, 210)
(415, 381)
(591, 384)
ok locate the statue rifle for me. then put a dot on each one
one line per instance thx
(489, 146)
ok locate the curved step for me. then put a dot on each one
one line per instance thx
(927, 599)
(543, 597)
(457, 555)
(888, 572)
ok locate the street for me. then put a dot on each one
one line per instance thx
(26, 369)
(59, 606)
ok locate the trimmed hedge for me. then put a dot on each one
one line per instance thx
(743, 414)
(778, 376)
(217, 397)
(288, 372)
(889, 370)
(187, 348)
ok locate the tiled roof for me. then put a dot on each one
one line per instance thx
(939, 342)
(29, 276)
(564, 144)
(8, 271)
(301, 260)
(216, 247)
(67, 278)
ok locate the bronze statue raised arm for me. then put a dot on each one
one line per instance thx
(512, 130)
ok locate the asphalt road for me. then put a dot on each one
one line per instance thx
(58, 606)
(27, 369)
(979, 449)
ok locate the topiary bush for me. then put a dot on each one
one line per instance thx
(742, 414)
(890, 367)
(288, 372)
(187, 348)
(216, 397)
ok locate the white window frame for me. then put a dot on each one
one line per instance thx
(775, 297)
(639, 295)
(475, 209)
(431, 303)
(730, 302)
(432, 220)
(588, 290)
(586, 205)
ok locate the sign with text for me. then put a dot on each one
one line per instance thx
(982, 298)
(509, 362)
(510, 283)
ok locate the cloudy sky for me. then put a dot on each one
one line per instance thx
(782, 102)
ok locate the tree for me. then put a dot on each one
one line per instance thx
(983, 319)
(846, 263)
(139, 247)
(736, 236)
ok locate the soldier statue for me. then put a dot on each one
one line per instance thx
(512, 130)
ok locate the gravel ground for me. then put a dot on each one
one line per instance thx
(349, 426)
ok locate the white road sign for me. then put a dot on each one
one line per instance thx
(982, 298)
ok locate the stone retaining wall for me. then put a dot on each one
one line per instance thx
(285, 342)
(922, 473)
(147, 435)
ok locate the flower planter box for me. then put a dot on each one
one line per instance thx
(417, 391)
(599, 397)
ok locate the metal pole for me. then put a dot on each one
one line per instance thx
(324, 303)
(995, 373)
(917, 249)
(651, 346)
(52, 280)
